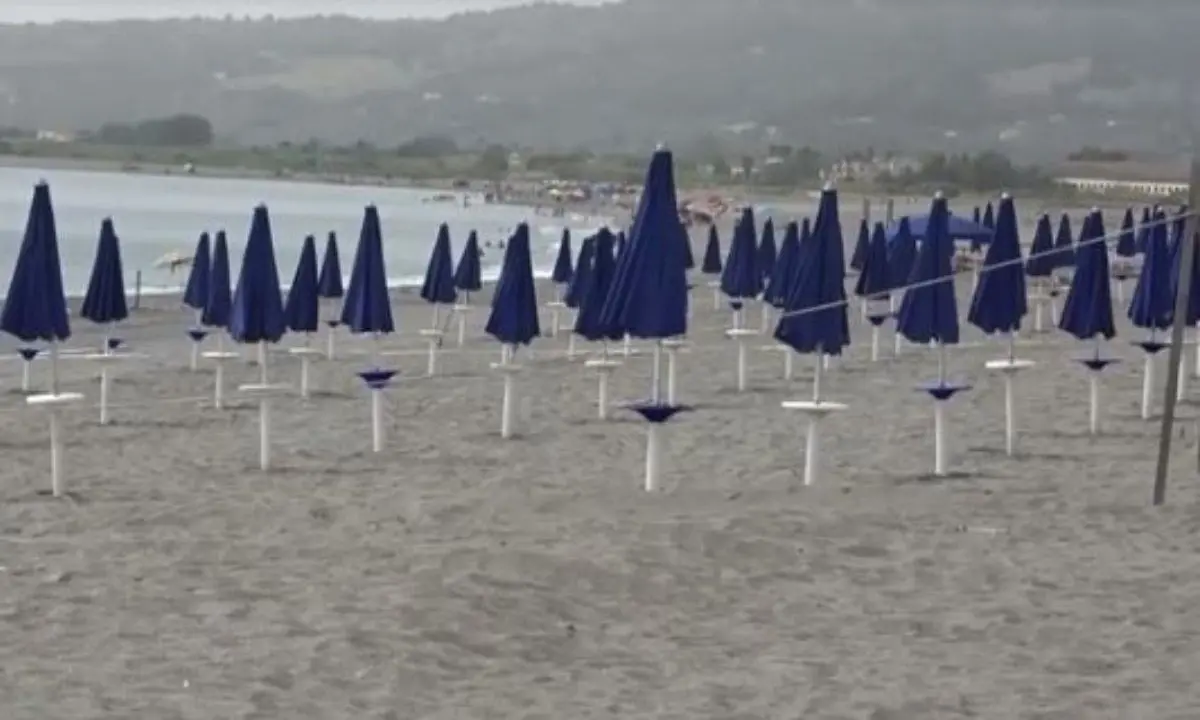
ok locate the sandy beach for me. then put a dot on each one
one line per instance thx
(458, 575)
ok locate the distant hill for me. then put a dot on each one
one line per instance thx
(1030, 76)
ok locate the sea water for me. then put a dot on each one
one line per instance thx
(158, 215)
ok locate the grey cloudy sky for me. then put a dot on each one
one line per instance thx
(20, 11)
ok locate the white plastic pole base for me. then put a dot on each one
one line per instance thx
(1094, 404)
(939, 438)
(554, 318)
(1039, 324)
(1147, 386)
(51, 402)
(741, 365)
(377, 420)
(653, 456)
(671, 353)
(816, 411)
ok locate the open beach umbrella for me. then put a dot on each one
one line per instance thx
(256, 317)
(859, 256)
(929, 313)
(104, 303)
(815, 321)
(195, 294)
(874, 285)
(367, 310)
(302, 309)
(711, 264)
(1152, 305)
(514, 317)
(902, 257)
(999, 304)
(560, 276)
(329, 287)
(648, 297)
(1087, 311)
(437, 290)
(35, 309)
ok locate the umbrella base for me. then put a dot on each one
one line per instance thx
(816, 411)
(603, 368)
(263, 392)
(52, 401)
(306, 355)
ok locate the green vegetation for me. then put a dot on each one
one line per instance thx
(985, 172)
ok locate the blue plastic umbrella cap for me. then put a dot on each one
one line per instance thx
(1097, 364)
(657, 412)
(115, 343)
(333, 323)
(196, 334)
(943, 390)
(736, 304)
(1151, 347)
(28, 353)
(878, 319)
(377, 379)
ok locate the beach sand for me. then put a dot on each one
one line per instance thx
(457, 575)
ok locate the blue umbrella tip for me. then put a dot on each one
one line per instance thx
(660, 147)
(656, 412)
(1005, 196)
(828, 186)
(939, 195)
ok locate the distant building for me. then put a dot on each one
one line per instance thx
(1154, 179)
(54, 136)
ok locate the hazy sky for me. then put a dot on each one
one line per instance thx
(19, 11)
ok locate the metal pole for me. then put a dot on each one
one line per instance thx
(1175, 352)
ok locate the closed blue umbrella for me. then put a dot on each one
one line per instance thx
(577, 288)
(740, 280)
(902, 254)
(1152, 305)
(1064, 256)
(989, 217)
(929, 313)
(1041, 262)
(776, 292)
(195, 294)
(438, 288)
(367, 308)
(815, 320)
(301, 311)
(468, 276)
(712, 253)
(959, 229)
(999, 304)
(329, 282)
(874, 284)
(35, 307)
(514, 316)
(1143, 232)
(977, 216)
(562, 264)
(1087, 312)
(599, 282)
(859, 257)
(220, 294)
(1193, 309)
(1127, 241)
(619, 249)
(689, 260)
(767, 251)
(104, 303)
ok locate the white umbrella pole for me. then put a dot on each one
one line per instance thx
(262, 362)
(554, 310)
(264, 412)
(1010, 419)
(1181, 390)
(653, 456)
(1147, 385)
(506, 409)
(741, 364)
(195, 363)
(898, 339)
(716, 288)
(671, 352)
(818, 373)
(939, 419)
(874, 343)
(304, 391)
(376, 404)
(462, 327)
(766, 316)
(219, 376)
(26, 375)
(1121, 291)
(571, 346)
(789, 369)
(627, 349)
(55, 435)
(656, 374)
(104, 382)
(811, 450)
(1094, 406)
(329, 341)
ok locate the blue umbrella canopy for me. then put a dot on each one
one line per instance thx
(740, 278)
(329, 283)
(785, 267)
(438, 287)
(105, 298)
(1042, 260)
(619, 247)
(875, 278)
(257, 314)
(1143, 233)
(468, 276)
(902, 255)
(195, 294)
(367, 308)
(577, 288)
(220, 296)
(767, 252)
(859, 256)
(977, 216)
(958, 228)
(562, 264)
(1087, 311)
(599, 283)
(35, 307)
(929, 311)
(689, 260)
(648, 297)
(712, 253)
(1193, 309)
(989, 222)
(1000, 301)
(1127, 240)
(1152, 305)
(1064, 255)
(514, 317)
(302, 311)
(820, 283)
